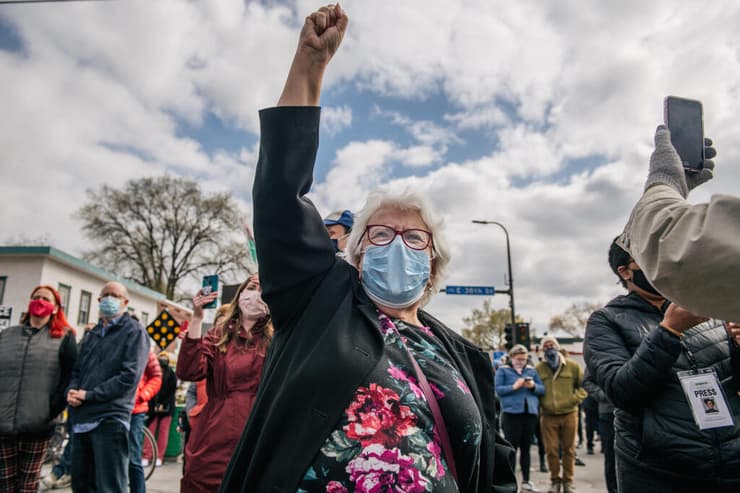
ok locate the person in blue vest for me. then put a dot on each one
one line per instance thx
(519, 386)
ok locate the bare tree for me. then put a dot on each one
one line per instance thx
(485, 326)
(159, 231)
(573, 320)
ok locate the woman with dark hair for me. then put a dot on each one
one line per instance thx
(230, 358)
(36, 360)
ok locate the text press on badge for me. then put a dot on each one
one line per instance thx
(706, 398)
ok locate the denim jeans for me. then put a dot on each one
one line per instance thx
(136, 479)
(100, 459)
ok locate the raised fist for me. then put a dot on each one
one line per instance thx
(322, 34)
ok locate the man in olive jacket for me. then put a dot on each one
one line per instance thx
(563, 379)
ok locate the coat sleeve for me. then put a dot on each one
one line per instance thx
(591, 386)
(539, 385)
(67, 359)
(130, 370)
(502, 388)
(688, 251)
(579, 392)
(196, 356)
(74, 380)
(628, 380)
(166, 395)
(153, 377)
(294, 251)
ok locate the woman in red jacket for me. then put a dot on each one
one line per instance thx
(230, 358)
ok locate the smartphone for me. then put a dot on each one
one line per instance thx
(528, 379)
(684, 119)
(210, 285)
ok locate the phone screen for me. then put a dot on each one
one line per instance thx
(683, 117)
(210, 285)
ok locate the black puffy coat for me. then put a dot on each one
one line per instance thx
(635, 362)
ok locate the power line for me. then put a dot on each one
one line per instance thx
(11, 2)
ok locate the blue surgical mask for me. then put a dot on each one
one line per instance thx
(395, 275)
(109, 306)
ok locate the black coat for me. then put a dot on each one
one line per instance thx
(166, 395)
(327, 336)
(635, 362)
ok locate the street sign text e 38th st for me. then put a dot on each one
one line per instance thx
(478, 290)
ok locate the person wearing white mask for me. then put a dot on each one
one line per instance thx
(101, 394)
(519, 386)
(230, 358)
(361, 389)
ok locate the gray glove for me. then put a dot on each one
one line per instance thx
(666, 167)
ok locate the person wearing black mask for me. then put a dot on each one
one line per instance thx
(563, 379)
(639, 349)
(161, 410)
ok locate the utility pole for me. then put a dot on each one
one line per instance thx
(509, 291)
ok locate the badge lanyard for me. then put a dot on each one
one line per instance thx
(705, 395)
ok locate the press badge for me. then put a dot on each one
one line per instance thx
(704, 394)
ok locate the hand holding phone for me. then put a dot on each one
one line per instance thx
(684, 118)
(210, 285)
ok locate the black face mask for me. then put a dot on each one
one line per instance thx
(639, 280)
(335, 242)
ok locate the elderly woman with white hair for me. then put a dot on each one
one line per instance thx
(362, 390)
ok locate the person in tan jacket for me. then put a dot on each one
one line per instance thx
(563, 380)
(689, 252)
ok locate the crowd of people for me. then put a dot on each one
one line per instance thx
(325, 373)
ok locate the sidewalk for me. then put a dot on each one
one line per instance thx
(588, 479)
(166, 479)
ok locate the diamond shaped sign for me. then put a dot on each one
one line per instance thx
(163, 329)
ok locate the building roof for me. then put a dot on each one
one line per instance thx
(67, 259)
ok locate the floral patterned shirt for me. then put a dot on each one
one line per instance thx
(387, 440)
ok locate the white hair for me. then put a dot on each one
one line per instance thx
(402, 202)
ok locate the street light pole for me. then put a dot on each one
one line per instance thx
(509, 291)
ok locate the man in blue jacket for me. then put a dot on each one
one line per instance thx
(101, 395)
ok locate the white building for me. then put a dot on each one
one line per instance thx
(78, 283)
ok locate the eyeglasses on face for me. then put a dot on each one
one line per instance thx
(381, 235)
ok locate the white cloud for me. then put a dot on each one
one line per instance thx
(101, 91)
(333, 120)
(418, 156)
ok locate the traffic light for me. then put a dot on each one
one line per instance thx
(522, 335)
(509, 336)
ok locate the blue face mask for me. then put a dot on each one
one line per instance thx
(109, 306)
(395, 275)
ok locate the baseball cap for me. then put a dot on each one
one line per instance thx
(345, 218)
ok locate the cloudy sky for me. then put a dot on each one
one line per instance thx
(539, 115)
